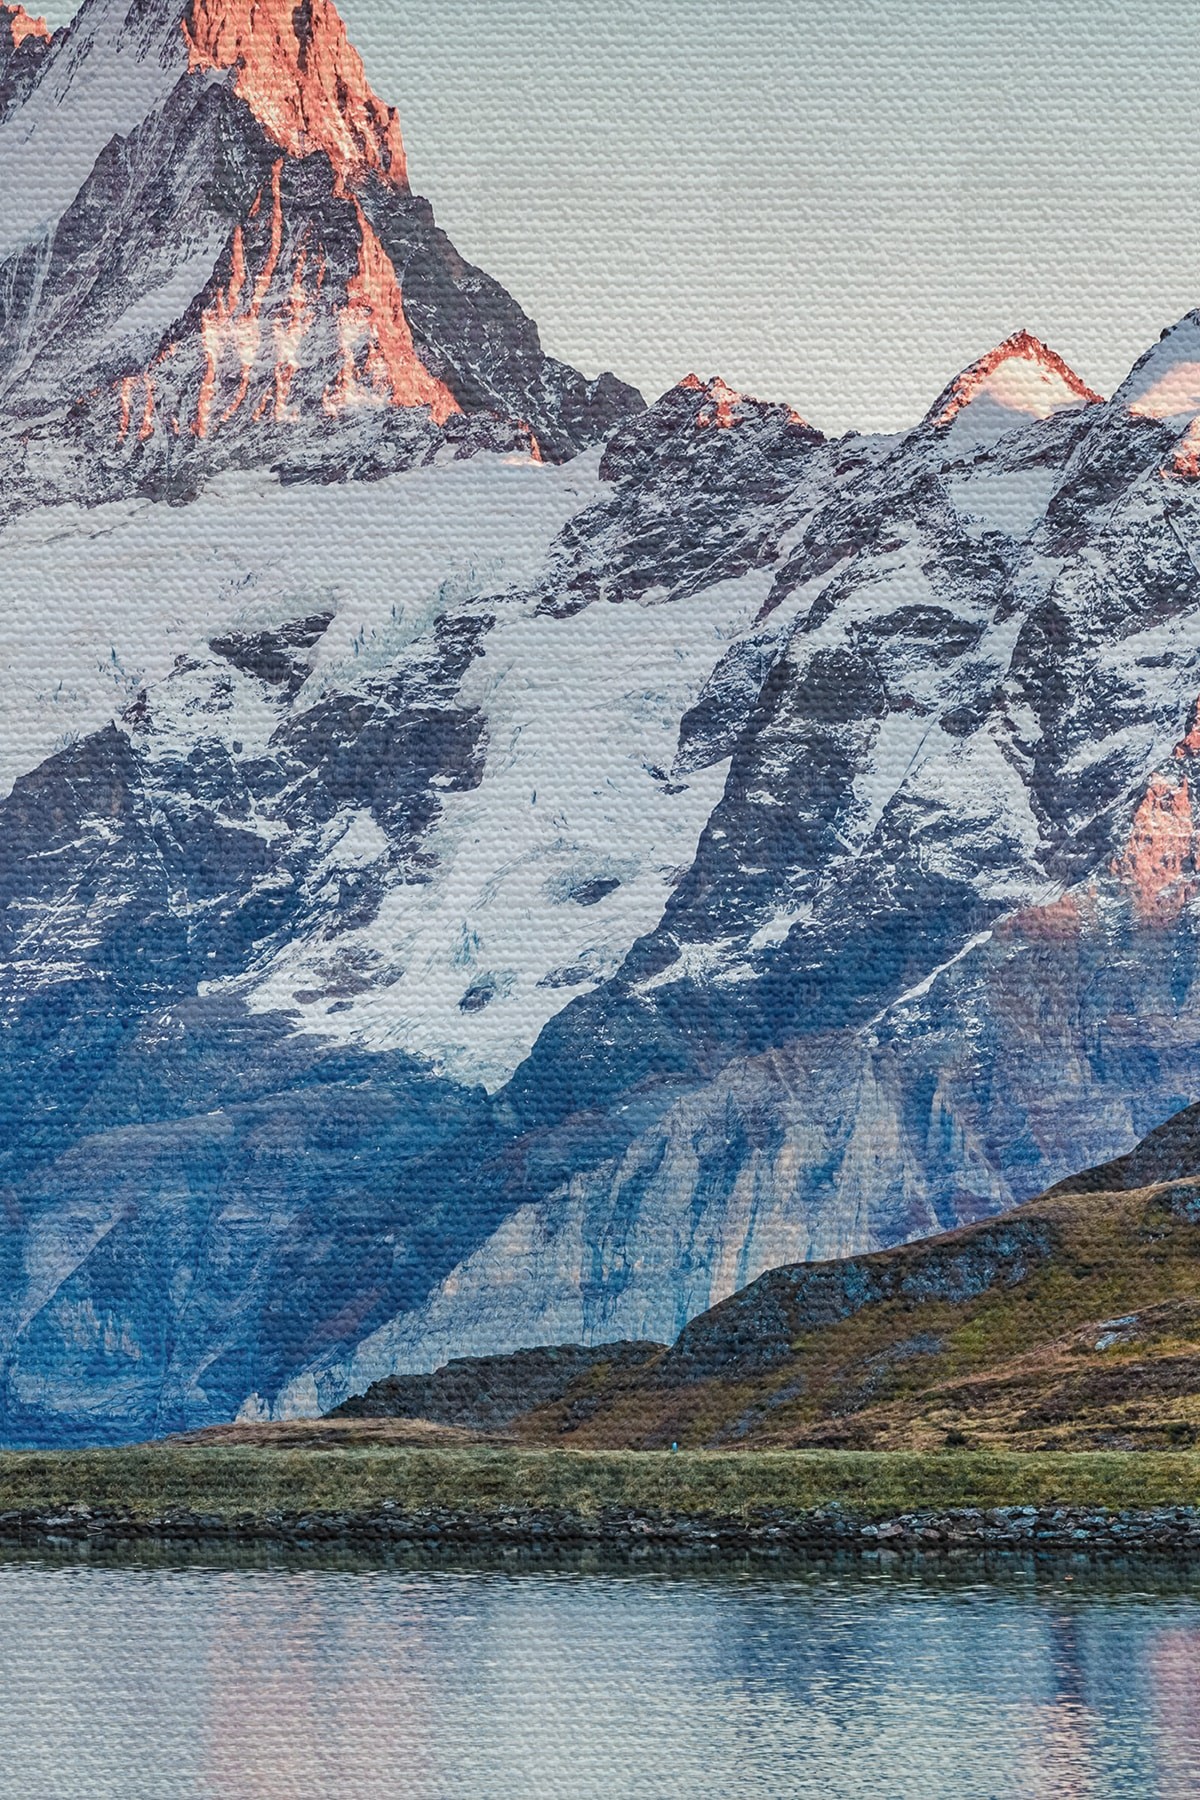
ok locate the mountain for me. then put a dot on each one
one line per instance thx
(1019, 381)
(935, 948)
(1071, 1323)
(211, 258)
(485, 862)
(367, 804)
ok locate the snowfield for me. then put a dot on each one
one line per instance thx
(96, 604)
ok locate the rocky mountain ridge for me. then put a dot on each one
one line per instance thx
(480, 900)
(1000, 1335)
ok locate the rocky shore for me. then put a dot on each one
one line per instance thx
(1054, 1529)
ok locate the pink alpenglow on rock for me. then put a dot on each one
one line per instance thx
(1019, 381)
(21, 25)
(303, 80)
(722, 406)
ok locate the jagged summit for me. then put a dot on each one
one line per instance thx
(723, 406)
(302, 78)
(215, 261)
(1020, 380)
(265, 327)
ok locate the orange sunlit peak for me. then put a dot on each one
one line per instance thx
(303, 80)
(1022, 375)
(723, 406)
(1186, 460)
(22, 25)
(720, 404)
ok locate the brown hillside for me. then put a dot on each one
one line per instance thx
(1071, 1323)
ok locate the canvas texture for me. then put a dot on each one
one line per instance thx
(598, 918)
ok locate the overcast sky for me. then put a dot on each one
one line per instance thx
(837, 203)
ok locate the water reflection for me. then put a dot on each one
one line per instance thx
(231, 1677)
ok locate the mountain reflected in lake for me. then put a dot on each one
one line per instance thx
(147, 1681)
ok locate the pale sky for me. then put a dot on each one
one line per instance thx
(836, 203)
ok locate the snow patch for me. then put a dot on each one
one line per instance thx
(95, 605)
(542, 877)
(1013, 501)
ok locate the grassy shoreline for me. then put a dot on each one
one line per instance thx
(487, 1483)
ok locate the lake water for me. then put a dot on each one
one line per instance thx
(146, 1681)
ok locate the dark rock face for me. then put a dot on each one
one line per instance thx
(274, 656)
(490, 1391)
(199, 1200)
(1169, 1153)
(734, 470)
(475, 337)
(756, 1329)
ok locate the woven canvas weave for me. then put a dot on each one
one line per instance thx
(599, 887)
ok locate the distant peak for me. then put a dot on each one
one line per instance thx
(302, 78)
(1164, 384)
(722, 406)
(1022, 378)
(21, 25)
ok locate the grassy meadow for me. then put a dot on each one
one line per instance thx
(254, 1482)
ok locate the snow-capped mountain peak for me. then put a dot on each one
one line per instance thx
(1165, 383)
(215, 261)
(1019, 381)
